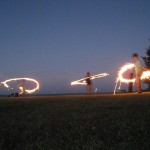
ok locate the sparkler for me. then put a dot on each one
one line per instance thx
(5, 83)
(83, 81)
(121, 79)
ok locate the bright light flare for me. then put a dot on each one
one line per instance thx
(37, 86)
(83, 81)
(145, 75)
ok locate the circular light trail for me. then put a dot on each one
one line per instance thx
(30, 91)
(83, 81)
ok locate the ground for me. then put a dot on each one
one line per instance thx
(96, 122)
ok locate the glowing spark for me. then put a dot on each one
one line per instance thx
(121, 79)
(145, 75)
(21, 89)
(83, 81)
(5, 83)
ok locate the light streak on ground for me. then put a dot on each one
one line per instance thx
(121, 79)
(83, 81)
(30, 91)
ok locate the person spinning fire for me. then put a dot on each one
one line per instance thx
(138, 72)
(89, 83)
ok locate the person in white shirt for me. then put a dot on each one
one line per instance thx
(138, 71)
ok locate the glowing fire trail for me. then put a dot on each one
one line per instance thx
(83, 81)
(5, 83)
(121, 79)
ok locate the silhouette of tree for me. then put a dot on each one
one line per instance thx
(146, 60)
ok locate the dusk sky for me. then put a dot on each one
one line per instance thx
(58, 41)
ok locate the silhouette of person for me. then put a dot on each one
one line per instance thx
(89, 83)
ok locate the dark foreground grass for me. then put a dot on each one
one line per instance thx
(75, 123)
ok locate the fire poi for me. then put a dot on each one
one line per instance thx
(83, 81)
(30, 91)
(121, 79)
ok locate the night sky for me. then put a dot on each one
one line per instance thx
(58, 41)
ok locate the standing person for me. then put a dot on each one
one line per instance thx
(138, 72)
(89, 83)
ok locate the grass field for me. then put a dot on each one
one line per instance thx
(75, 122)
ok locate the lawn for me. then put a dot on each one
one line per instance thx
(96, 122)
